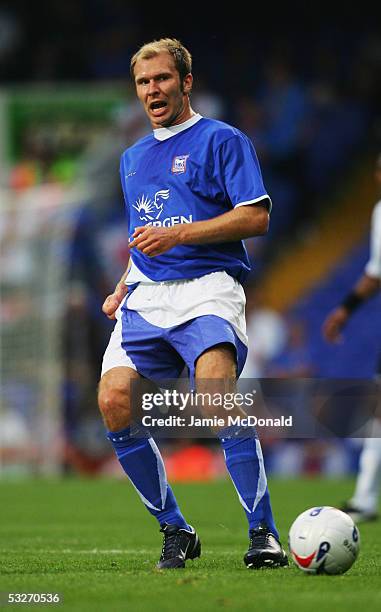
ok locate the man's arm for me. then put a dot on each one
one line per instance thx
(365, 288)
(113, 301)
(237, 224)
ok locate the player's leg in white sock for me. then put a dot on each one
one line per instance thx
(369, 476)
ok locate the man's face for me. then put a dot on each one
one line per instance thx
(159, 89)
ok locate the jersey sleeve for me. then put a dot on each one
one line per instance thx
(241, 173)
(373, 267)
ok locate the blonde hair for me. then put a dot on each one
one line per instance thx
(181, 55)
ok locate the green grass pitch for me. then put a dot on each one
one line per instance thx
(93, 542)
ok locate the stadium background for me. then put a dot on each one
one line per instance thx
(304, 87)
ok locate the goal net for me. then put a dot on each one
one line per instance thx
(36, 227)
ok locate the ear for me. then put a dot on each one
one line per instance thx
(187, 83)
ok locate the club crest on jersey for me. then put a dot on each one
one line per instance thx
(150, 209)
(179, 164)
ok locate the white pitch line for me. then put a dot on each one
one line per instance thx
(98, 551)
(92, 551)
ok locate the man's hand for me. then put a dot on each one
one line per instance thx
(154, 241)
(334, 323)
(113, 301)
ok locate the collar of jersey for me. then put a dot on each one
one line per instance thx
(167, 132)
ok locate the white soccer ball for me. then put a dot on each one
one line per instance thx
(324, 540)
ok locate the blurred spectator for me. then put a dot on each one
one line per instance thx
(10, 32)
(280, 138)
(111, 53)
(266, 332)
(298, 455)
(17, 449)
(284, 102)
(207, 102)
(250, 117)
(294, 360)
(337, 126)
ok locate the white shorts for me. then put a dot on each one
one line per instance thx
(163, 326)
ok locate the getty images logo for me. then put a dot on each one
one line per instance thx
(151, 209)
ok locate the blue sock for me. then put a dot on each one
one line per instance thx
(141, 460)
(244, 460)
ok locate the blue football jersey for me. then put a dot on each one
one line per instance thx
(191, 172)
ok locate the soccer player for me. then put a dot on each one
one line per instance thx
(193, 190)
(363, 505)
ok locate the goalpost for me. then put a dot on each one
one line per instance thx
(36, 228)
